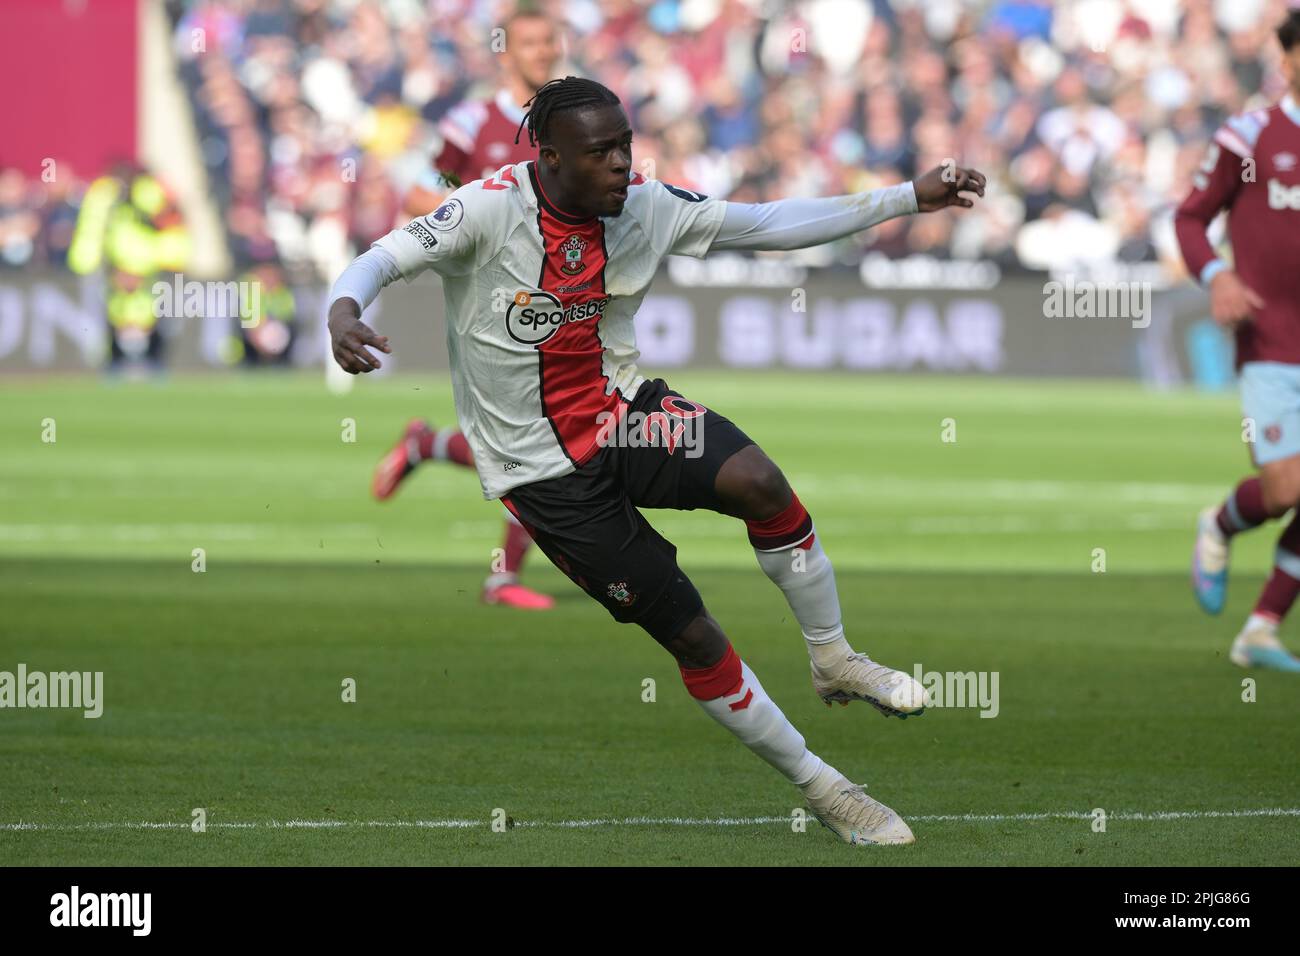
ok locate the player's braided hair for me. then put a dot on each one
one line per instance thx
(570, 93)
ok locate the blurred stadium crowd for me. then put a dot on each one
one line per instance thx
(315, 116)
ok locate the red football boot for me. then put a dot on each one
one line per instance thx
(517, 596)
(400, 460)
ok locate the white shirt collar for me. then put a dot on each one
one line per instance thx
(1291, 108)
(512, 110)
(525, 180)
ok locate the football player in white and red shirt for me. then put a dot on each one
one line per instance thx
(1252, 170)
(544, 265)
(479, 137)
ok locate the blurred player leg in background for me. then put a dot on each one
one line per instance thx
(1271, 400)
(421, 442)
(1258, 644)
(1242, 510)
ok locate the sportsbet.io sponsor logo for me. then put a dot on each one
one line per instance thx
(533, 317)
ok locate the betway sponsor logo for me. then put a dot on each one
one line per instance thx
(1282, 196)
(533, 317)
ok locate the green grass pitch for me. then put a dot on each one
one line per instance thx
(223, 688)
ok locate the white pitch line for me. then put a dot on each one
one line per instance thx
(1137, 816)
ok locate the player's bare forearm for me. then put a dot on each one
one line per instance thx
(349, 337)
(943, 186)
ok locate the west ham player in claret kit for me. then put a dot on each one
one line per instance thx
(1252, 170)
(544, 265)
(478, 138)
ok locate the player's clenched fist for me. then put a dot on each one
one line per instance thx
(941, 187)
(349, 337)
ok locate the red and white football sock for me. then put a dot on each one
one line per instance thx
(515, 545)
(1283, 585)
(447, 444)
(806, 579)
(731, 694)
(1243, 509)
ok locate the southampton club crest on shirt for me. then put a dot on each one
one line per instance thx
(573, 248)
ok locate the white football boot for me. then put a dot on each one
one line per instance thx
(856, 818)
(1258, 646)
(1210, 563)
(858, 677)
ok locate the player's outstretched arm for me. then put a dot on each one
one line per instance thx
(799, 223)
(444, 245)
(356, 288)
(349, 337)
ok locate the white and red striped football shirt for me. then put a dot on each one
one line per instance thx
(540, 307)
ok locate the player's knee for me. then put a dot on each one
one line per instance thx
(1280, 488)
(1274, 497)
(666, 615)
(701, 643)
(769, 491)
(754, 486)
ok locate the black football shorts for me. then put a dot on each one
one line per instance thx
(665, 452)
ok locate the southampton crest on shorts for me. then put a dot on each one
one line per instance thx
(619, 592)
(573, 248)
